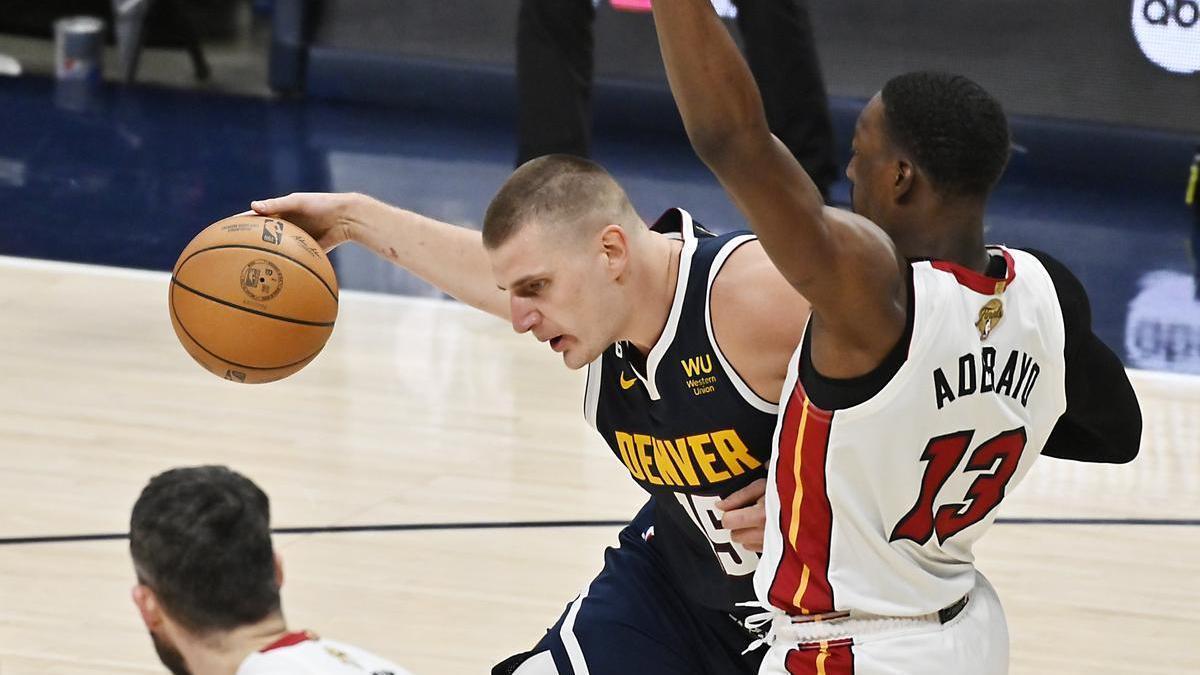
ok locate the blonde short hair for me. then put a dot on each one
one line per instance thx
(562, 191)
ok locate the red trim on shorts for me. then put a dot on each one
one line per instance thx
(793, 590)
(835, 657)
(980, 283)
(288, 640)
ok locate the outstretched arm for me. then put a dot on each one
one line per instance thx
(447, 256)
(843, 264)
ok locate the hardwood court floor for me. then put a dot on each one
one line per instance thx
(428, 412)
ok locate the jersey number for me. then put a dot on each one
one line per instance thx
(735, 559)
(943, 455)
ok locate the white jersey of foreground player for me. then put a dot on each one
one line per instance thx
(874, 508)
(306, 654)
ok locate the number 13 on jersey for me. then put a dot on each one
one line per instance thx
(943, 454)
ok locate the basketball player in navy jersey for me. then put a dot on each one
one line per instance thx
(686, 338)
(933, 372)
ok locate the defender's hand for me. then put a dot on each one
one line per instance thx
(328, 218)
(745, 515)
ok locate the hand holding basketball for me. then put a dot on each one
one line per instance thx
(326, 217)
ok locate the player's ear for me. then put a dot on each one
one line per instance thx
(278, 571)
(902, 180)
(147, 604)
(614, 244)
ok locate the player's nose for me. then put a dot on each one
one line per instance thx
(524, 316)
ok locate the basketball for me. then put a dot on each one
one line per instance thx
(253, 299)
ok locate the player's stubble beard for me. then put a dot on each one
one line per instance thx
(170, 656)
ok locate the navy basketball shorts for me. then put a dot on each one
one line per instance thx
(632, 619)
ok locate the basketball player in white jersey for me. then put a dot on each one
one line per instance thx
(933, 372)
(208, 583)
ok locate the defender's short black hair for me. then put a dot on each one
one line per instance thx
(200, 538)
(954, 130)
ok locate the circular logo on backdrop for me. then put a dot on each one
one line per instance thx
(1168, 31)
(262, 280)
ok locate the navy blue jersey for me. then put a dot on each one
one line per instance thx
(686, 426)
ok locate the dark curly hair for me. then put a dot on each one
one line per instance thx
(200, 538)
(954, 130)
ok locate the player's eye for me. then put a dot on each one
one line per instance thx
(532, 288)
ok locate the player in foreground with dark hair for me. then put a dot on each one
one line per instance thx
(208, 583)
(932, 374)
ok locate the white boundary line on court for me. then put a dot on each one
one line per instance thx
(163, 277)
(1189, 384)
(86, 268)
(1155, 378)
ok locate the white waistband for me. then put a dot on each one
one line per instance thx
(857, 626)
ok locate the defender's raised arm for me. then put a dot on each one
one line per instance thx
(847, 268)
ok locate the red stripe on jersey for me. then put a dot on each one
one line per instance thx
(980, 283)
(821, 658)
(289, 639)
(801, 583)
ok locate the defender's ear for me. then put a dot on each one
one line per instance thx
(903, 181)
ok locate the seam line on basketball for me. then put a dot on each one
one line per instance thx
(188, 333)
(321, 324)
(264, 250)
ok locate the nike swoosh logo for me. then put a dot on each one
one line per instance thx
(625, 384)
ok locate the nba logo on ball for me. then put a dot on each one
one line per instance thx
(272, 231)
(1168, 31)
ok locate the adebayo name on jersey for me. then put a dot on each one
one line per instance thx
(975, 373)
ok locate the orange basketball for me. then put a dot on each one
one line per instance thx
(253, 299)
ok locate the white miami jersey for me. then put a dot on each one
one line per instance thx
(302, 653)
(875, 507)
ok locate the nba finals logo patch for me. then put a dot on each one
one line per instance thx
(1168, 33)
(262, 280)
(989, 316)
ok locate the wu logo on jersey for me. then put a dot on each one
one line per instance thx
(699, 374)
(697, 365)
(1168, 31)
